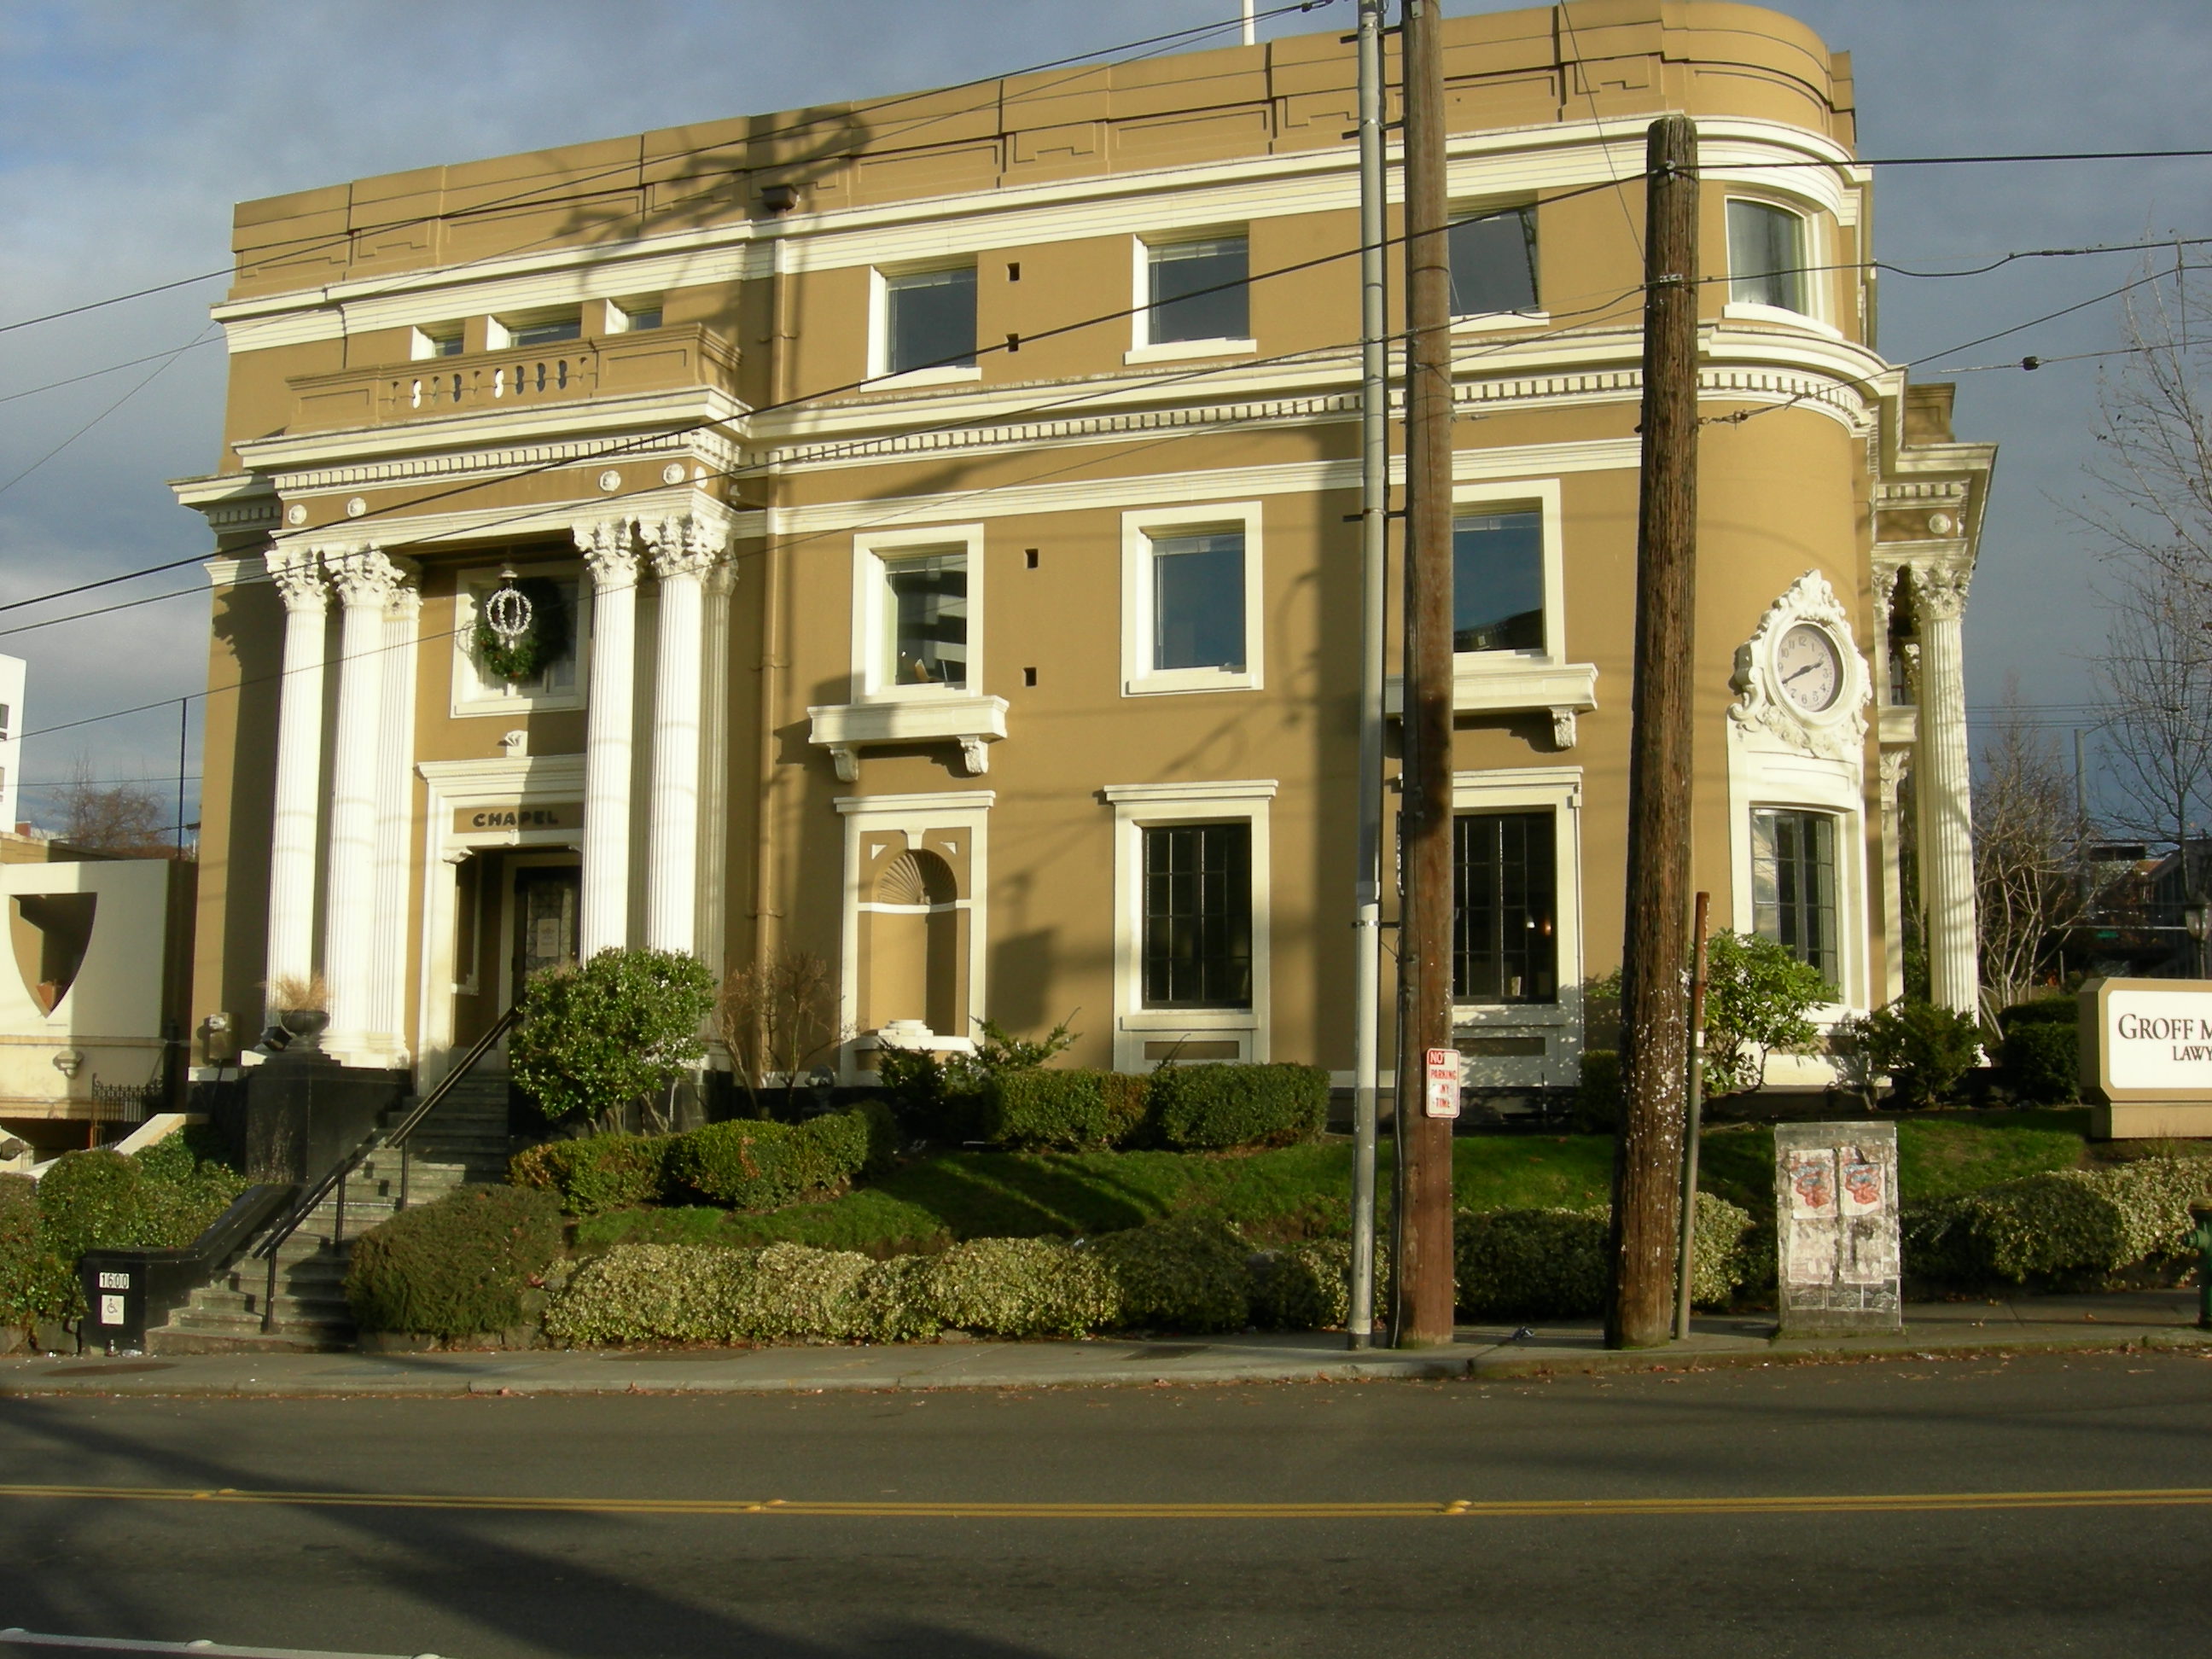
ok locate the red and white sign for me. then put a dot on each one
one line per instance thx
(1444, 1083)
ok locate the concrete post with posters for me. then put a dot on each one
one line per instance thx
(1835, 1196)
(2147, 1057)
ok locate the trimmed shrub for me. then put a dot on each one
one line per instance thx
(596, 1036)
(1306, 1287)
(1516, 1264)
(1186, 1272)
(597, 1173)
(1597, 1094)
(1215, 1107)
(1037, 1109)
(2041, 1061)
(457, 1267)
(656, 1293)
(2065, 1222)
(161, 1198)
(26, 1275)
(1925, 1047)
(1023, 1287)
(2044, 1011)
(1721, 1264)
(898, 1300)
(752, 1164)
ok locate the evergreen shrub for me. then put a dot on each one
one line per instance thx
(162, 1198)
(2063, 1222)
(753, 1163)
(1526, 1264)
(1597, 1094)
(597, 1173)
(461, 1264)
(1020, 1287)
(1925, 1047)
(25, 1277)
(1038, 1109)
(1187, 1273)
(2041, 1054)
(1305, 1287)
(1214, 1108)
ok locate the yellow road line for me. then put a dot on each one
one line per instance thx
(2145, 1498)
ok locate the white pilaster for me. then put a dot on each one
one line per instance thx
(364, 579)
(609, 551)
(298, 575)
(395, 799)
(715, 765)
(682, 554)
(1944, 789)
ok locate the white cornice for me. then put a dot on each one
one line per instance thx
(1503, 161)
(532, 774)
(408, 530)
(691, 406)
(643, 456)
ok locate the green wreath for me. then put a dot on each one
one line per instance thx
(539, 646)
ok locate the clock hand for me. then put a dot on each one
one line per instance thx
(1800, 673)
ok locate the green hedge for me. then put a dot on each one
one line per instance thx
(1305, 1287)
(1215, 1107)
(1186, 1273)
(465, 1264)
(1597, 1092)
(748, 1165)
(1552, 1264)
(26, 1279)
(162, 1198)
(597, 1173)
(1071, 1109)
(2064, 1223)
(2042, 1060)
(1019, 1287)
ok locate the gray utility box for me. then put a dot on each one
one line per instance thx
(1835, 1201)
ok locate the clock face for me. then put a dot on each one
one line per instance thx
(1809, 668)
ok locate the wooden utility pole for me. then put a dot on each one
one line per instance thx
(1654, 1012)
(1424, 813)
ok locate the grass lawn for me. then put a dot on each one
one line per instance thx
(1301, 1192)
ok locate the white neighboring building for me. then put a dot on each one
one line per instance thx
(12, 670)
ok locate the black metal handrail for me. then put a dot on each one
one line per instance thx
(334, 1179)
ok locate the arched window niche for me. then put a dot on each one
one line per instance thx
(914, 943)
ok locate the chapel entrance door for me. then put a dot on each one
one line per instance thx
(546, 898)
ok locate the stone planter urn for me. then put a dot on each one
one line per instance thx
(306, 1026)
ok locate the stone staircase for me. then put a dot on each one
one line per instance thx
(465, 1142)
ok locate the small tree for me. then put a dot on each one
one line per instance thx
(594, 1038)
(1757, 998)
(2027, 842)
(127, 819)
(777, 1020)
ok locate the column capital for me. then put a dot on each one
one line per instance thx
(1885, 588)
(298, 573)
(1939, 590)
(1895, 764)
(609, 550)
(406, 603)
(366, 576)
(685, 546)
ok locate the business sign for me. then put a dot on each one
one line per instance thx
(514, 819)
(2147, 1056)
(1443, 1090)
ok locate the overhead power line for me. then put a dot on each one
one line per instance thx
(567, 187)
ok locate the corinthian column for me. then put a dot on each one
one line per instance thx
(395, 800)
(365, 580)
(609, 551)
(1943, 786)
(297, 572)
(681, 553)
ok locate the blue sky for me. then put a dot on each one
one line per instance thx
(130, 128)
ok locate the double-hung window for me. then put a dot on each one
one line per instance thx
(1505, 907)
(1190, 591)
(530, 333)
(925, 635)
(1197, 950)
(1497, 581)
(1766, 255)
(1793, 886)
(1195, 292)
(927, 322)
(1493, 262)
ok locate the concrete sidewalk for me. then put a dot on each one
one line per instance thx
(2156, 1319)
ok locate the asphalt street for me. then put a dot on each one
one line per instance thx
(2049, 1504)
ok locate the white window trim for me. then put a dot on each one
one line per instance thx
(1535, 788)
(917, 815)
(1543, 494)
(465, 705)
(880, 377)
(425, 340)
(1139, 677)
(870, 552)
(1813, 245)
(1851, 853)
(1143, 349)
(1138, 807)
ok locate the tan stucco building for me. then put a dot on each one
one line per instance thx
(947, 501)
